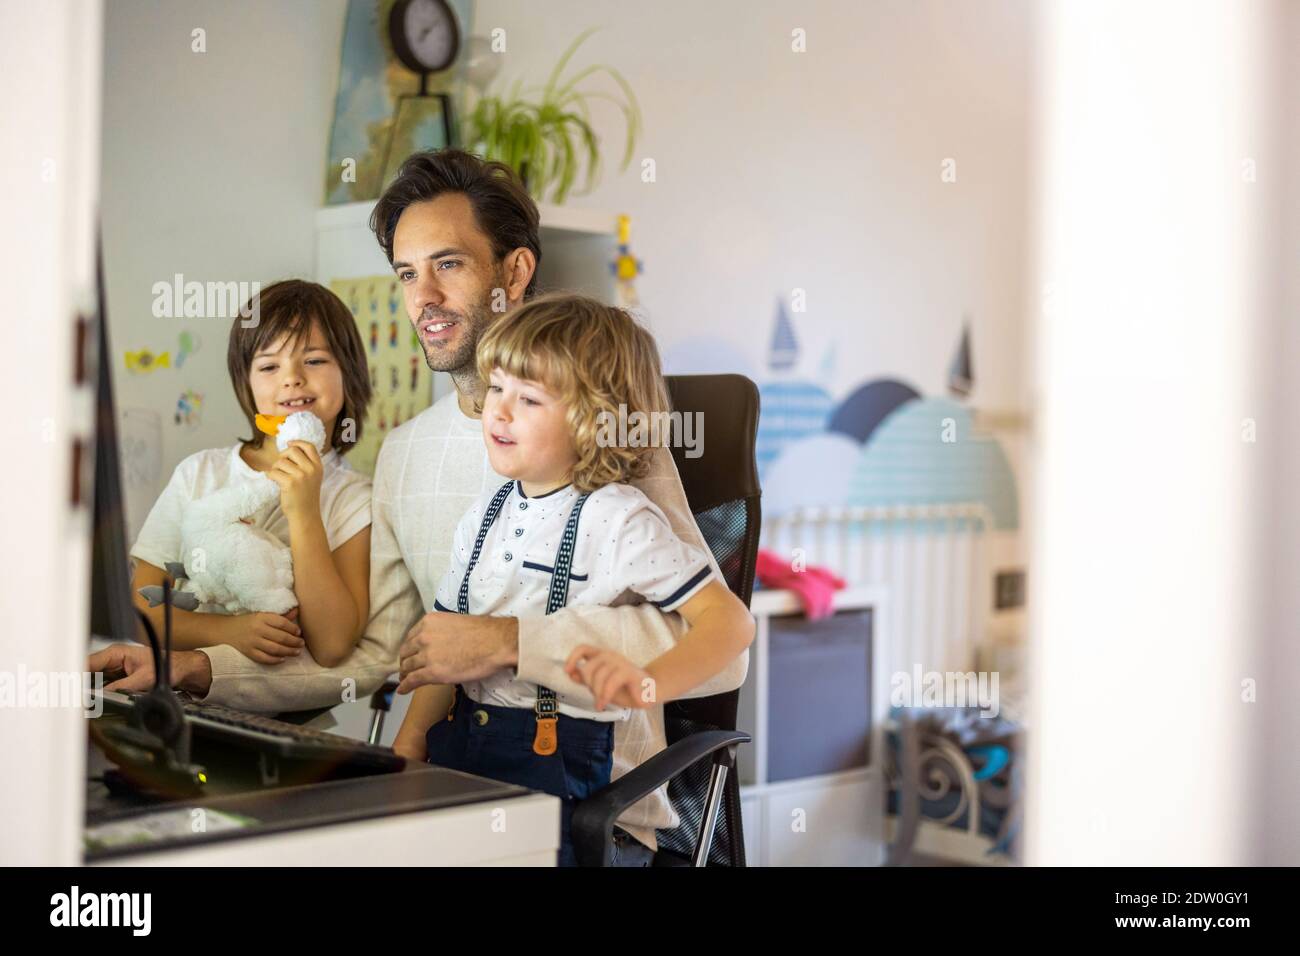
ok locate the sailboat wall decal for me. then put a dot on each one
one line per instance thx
(961, 375)
(784, 352)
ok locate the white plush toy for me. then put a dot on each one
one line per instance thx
(227, 562)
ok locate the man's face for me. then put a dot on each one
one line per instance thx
(445, 266)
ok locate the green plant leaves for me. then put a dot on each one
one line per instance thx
(551, 140)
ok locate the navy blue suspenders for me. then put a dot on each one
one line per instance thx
(489, 516)
(546, 708)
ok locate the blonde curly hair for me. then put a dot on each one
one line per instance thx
(597, 360)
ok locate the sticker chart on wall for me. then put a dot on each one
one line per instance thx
(401, 383)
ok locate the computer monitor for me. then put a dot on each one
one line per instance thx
(112, 614)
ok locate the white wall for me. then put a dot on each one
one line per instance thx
(212, 167)
(821, 171)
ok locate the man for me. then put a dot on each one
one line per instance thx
(462, 236)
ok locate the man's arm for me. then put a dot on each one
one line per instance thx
(640, 633)
(247, 685)
(300, 683)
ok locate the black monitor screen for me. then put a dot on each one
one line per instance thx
(111, 612)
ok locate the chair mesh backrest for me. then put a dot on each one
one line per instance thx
(728, 529)
(731, 530)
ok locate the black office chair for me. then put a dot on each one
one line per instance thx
(722, 490)
(699, 763)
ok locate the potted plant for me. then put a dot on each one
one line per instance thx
(548, 140)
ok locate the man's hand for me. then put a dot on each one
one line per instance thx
(447, 648)
(191, 670)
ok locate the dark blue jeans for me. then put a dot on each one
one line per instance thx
(497, 742)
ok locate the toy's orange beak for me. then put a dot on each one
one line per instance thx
(269, 424)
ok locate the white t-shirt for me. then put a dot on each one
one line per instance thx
(625, 550)
(344, 503)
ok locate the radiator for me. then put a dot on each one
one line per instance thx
(932, 561)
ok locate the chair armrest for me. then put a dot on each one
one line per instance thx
(592, 827)
(382, 699)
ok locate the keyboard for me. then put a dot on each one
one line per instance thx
(274, 737)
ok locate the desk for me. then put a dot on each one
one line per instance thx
(423, 816)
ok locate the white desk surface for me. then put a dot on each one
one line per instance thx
(520, 831)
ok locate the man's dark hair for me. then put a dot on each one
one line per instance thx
(502, 206)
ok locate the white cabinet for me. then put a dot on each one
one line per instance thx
(831, 819)
(836, 820)
(578, 247)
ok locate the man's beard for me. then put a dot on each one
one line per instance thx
(470, 326)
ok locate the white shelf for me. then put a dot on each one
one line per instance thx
(578, 247)
(347, 215)
(561, 220)
(775, 602)
(578, 221)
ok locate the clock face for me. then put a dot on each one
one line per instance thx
(429, 28)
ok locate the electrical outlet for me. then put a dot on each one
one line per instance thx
(1008, 590)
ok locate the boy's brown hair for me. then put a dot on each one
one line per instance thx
(291, 307)
(593, 357)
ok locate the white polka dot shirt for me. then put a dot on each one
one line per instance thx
(625, 552)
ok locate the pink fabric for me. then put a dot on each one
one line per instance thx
(816, 587)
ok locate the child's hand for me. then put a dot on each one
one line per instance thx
(263, 637)
(611, 677)
(298, 472)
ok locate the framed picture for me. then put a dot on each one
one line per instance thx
(373, 119)
(419, 123)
